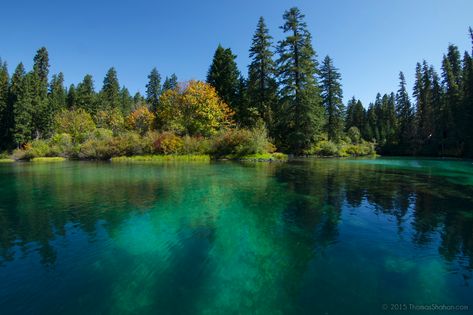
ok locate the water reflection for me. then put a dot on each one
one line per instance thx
(226, 237)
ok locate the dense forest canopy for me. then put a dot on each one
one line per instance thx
(287, 97)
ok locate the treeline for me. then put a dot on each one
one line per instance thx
(437, 122)
(286, 94)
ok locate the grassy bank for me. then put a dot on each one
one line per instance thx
(161, 158)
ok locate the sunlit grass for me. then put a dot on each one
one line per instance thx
(161, 158)
(48, 159)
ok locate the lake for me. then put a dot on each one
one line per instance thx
(314, 236)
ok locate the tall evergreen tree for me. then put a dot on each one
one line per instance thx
(42, 115)
(5, 109)
(110, 93)
(356, 116)
(372, 130)
(224, 76)
(85, 96)
(21, 95)
(262, 85)
(405, 115)
(424, 110)
(300, 111)
(138, 100)
(126, 104)
(450, 111)
(467, 126)
(332, 98)
(71, 99)
(57, 93)
(170, 83)
(153, 89)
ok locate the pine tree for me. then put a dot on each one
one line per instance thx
(85, 96)
(300, 110)
(405, 115)
(245, 114)
(5, 109)
(110, 93)
(71, 100)
(170, 83)
(332, 98)
(138, 100)
(356, 116)
(372, 131)
(262, 85)
(21, 95)
(424, 110)
(153, 89)
(451, 106)
(57, 94)
(42, 114)
(126, 104)
(224, 76)
(467, 126)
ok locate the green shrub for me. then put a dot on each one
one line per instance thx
(36, 148)
(128, 143)
(240, 142)
(195, 145)
(324, 148)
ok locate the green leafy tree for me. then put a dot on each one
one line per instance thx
(332, 98)
(77, 123)
(262, 85)
(224, 76)
(110, 93)
(85, 95)
(153, 89)
(300, 112)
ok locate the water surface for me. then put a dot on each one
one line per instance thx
(304, 237)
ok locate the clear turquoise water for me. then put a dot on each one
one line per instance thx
(305, 237)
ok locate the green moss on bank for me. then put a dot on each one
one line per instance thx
(7, 160)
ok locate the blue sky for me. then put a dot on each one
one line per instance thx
(369, 40)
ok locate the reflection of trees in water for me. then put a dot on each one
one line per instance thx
(44, 199)
(37, 208)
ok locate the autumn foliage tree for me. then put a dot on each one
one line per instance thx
(193, 108)
(141, 119)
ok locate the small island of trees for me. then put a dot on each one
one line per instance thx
(288, 103)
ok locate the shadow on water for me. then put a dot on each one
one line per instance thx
(332, 236)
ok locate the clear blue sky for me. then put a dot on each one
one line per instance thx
(369, 40)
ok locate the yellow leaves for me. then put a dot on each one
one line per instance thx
(193, 108)
(141, 119)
